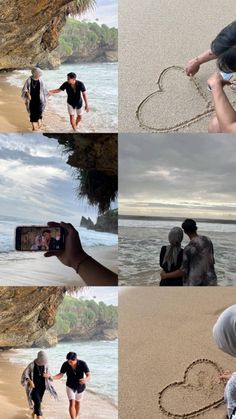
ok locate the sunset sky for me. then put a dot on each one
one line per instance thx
(177, 175)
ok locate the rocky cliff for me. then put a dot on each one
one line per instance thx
(95, 160)
(26, 314)
(107, 222)
(30, 29)
(99, 332)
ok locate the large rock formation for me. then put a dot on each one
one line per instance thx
(29, 29)
(107, 222)
(100, 332)
(27, 313)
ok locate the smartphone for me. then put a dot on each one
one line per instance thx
(225, 76)
(39, 238)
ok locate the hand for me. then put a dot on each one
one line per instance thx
(28, 95)
(225, 375)
(46, 375)
(73, 252)
(86, 108)
(192, 67)
(216, 81)
(163, 275)
(83, 381)
(31, 384)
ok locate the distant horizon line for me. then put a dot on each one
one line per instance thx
(160, 218)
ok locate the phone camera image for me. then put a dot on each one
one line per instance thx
(39, 238)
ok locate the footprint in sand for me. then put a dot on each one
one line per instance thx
(199, 391)
(178, 102)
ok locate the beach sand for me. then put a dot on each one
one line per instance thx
(41, 271)
(14, 404)
(160, 333)
(158, 34)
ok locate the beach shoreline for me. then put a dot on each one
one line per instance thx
(14, 117)
(15, 406)
(41, 271)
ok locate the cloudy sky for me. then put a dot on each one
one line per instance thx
(178, 175)
(109, 295)
(105, 11)
(36, 184)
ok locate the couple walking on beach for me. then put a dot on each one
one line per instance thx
(36, 379)
(191, 266)
(35, 95)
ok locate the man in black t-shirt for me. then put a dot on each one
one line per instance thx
(76, 94)
(78, 375)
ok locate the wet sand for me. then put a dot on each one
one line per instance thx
(14, 404)
(41, 271)
(163, 34)
(161, 332)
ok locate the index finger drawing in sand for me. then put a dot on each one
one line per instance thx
(222, 49)
(224, 334)
(189, 103)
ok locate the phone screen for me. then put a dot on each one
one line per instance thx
(39, 238)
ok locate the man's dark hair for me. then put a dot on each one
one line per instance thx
(71, 356)
(46, 231)
(71, 76)
(189, 226)
(224, 47)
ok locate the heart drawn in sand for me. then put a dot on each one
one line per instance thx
(178, 102)
(199, 391)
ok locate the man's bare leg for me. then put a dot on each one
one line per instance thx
(78, 119)
(72, 409)
(213, 126)
(73, 122)
(40, 123)
(77, 408)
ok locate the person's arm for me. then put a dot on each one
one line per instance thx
(53, 91)
(175, 274)
(225, 112)
(193, 65)
(91, 271)
(86, 379)
(57, 376)
(85, 97)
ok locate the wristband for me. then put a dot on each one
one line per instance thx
(82, 261)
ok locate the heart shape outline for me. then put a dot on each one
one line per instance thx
(208, 111)
(179, 383)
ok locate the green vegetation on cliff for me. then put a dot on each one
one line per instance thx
(84, 315)
(80, 41)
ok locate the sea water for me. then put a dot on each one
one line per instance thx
(140, 242)
(101, 357)
(101, 82)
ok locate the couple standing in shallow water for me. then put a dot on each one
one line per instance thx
(193, 265)
(35, 95)
(36, 379)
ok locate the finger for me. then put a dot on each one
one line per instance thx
(53, 224)
(69, 227)
(52, 253)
